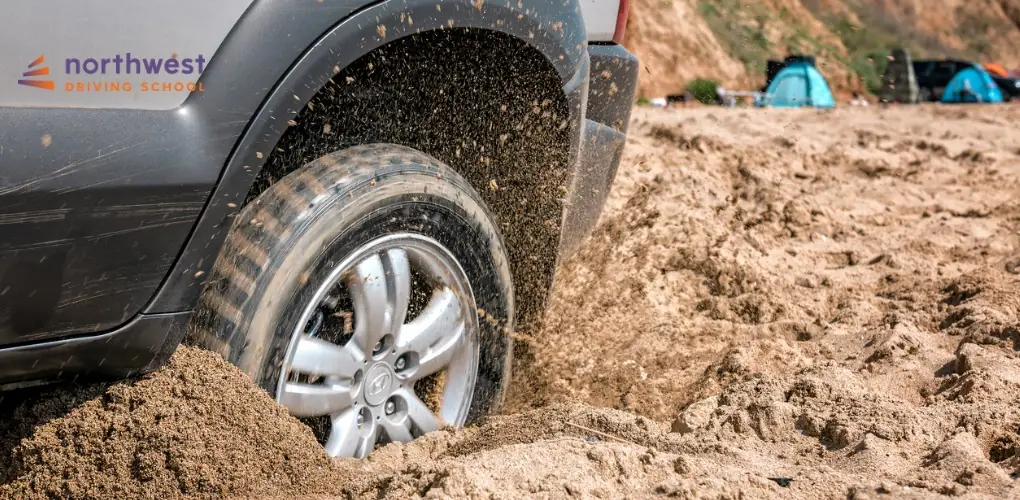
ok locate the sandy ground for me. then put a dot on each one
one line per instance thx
(776, 303)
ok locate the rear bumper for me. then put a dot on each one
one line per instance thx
(612, 84)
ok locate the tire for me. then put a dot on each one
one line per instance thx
(286, 244)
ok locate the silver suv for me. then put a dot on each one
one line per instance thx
(356, 202)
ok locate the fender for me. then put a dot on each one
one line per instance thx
(275, 34)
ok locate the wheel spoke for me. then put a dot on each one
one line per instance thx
(343, 434)
(371, 308)
(418, 413)
(397, 431)
(315, 356)
(381, 291)
(312, 400)
(398, 277)
(440, 356)
(436, 334)
(367, 443)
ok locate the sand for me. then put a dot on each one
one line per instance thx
(794, 304)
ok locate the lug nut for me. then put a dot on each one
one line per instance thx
(361, 419)
(401, 363)
(377, 348)
(390, 407)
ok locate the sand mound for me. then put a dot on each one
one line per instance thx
(199, 428)
(196, 427)
(776, 304)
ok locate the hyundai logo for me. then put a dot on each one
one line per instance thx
(379, 384)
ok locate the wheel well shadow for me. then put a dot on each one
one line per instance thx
(484, 103)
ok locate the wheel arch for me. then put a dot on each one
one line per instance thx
(554, 32)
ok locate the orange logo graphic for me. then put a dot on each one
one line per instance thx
(45, 70)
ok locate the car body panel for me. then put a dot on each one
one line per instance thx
(1010, 87)
(600, 18)
(141, 345)
(157, 31)
(97, 29)
(90, 223)
(612, 87)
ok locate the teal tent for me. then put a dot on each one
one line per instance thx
(972, 84)
(800, 84)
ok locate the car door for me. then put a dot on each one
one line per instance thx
(92, 209)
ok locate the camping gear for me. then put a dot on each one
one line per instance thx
(800, 58)
(773, 67)
(799, 84)
(996, 69)
(731, 98)
(972, 84)
(899, 83)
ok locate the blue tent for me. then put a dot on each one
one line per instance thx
(800, 84)
(972, 84)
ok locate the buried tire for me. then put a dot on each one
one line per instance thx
(369, 293)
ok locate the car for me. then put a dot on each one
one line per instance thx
(355, 202)
(1010, 87)
(934, 75)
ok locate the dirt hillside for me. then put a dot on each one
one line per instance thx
(776, 304)
(730, 40)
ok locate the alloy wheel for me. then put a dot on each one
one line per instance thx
(406, 363)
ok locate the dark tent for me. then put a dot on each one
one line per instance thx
(801, 58)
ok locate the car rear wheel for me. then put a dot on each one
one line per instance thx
(369, 293)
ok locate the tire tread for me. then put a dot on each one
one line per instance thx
(258, 229)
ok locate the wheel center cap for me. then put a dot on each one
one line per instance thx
(379, 384)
